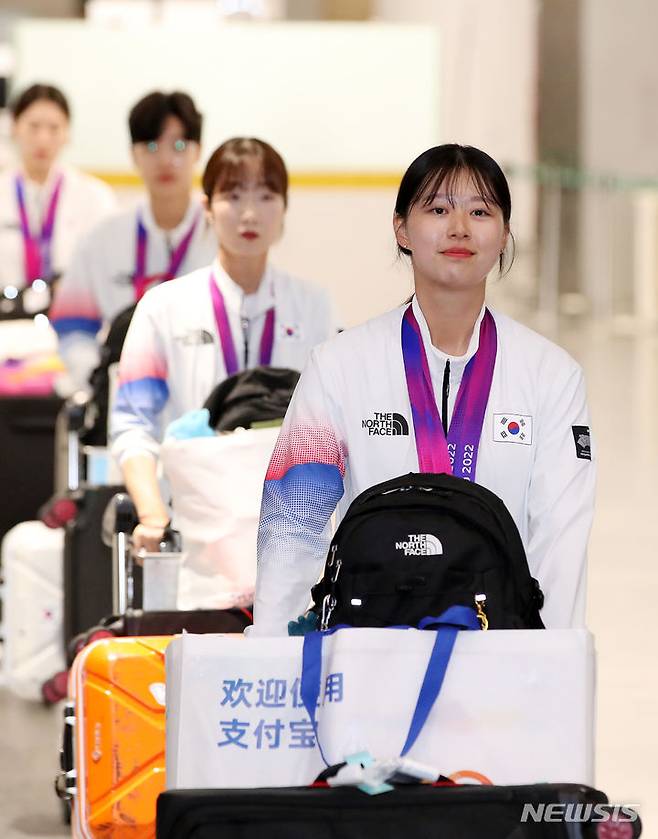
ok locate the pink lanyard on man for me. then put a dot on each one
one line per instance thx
(37, 250)
(226, 336)
(141, 280)
(456, 454)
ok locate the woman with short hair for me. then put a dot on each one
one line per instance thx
(190, 334)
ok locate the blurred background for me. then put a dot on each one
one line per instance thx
(563, 93)
(560, 92)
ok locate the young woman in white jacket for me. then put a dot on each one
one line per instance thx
(188, 335)
(440, 384)
(45, 205)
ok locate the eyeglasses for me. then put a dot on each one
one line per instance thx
(178, 146)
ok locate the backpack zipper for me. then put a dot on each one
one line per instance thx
(329, 601)
(328, 606)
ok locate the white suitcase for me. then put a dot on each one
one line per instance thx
(33, 648)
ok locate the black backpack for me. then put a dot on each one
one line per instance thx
(95, 432)
(258, 395)
(411, 547)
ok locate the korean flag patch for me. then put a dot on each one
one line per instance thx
(582, 441)
(512, 428)
(290, 332)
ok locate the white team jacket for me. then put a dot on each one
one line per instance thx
(97, 285)
(83, 202)
(349, 427)
(172, 358)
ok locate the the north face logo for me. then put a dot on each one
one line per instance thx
(195, 337)
(420, 544)
(386, 425)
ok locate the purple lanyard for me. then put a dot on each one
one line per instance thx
(226, 337)
(142, 281)
(458, 454)
(38, 264)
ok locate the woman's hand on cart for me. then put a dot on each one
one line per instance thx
(147, 536)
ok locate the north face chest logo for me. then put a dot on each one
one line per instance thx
(195, 338)
(386, 425)
(420, 544)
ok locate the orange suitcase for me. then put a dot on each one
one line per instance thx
(116, 737)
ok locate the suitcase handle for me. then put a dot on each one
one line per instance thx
(66, 778)
(120, 516)
(119, 522)
(171, 540)
(75, 410)
(69, 426)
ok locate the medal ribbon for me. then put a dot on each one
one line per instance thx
(458, 453)
(226, 337)
(141, 281)
(37, 249)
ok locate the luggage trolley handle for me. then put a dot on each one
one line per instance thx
(171, 540)
(74, 413)
(123, 577)
(119, 522)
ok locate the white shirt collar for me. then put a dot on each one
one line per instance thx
(34, 189)
(247, 305)
(177, 233)
(455, 360)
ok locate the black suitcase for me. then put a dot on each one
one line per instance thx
(542, 811)
(87, 563)
(27, 465)
(78, 506)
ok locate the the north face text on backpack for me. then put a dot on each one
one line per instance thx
(386, 425)
(420, 544)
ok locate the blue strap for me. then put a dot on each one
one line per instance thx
(461, 617)
(448, 625)
(309, 689)
(431, 687)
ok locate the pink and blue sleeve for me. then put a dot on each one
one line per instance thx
(74, 307)
(142, 390)
(74, 310)
(76, 317)
(303, 485)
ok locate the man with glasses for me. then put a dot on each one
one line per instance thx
(164, 236)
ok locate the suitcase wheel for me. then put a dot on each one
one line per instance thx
(97, 633)
(55, 688)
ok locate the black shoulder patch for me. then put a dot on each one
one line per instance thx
(581, 439)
